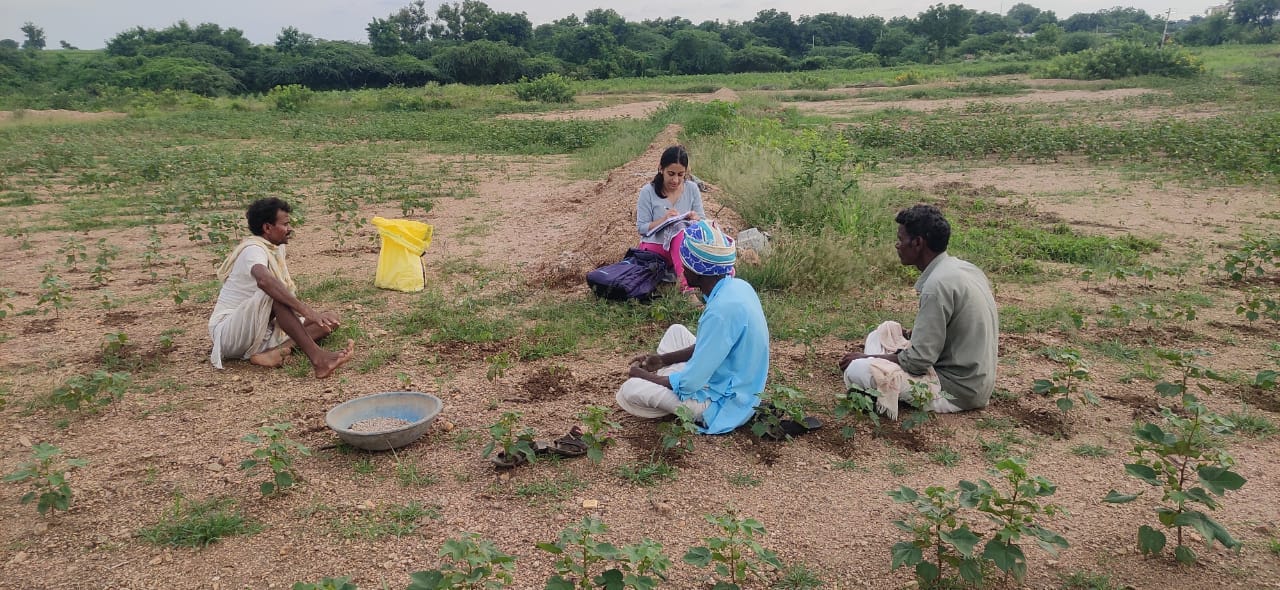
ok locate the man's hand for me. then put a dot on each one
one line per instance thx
(325, 319)
(648, 362)
(849, 358)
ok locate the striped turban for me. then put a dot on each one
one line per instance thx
(706, 250)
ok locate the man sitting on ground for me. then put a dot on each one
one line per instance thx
(257, 316)
(720, 376)
(953, 344)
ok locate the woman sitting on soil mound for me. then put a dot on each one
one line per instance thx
(672, 194)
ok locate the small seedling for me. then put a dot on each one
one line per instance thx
(473, 563)
(73, 251)
(177, 290)
(498, 365)
(1065, 382)
(113, 344)
(855, 402)
(276, 451)
(738, 556)
(581, 556)
(96, 389)
(108, 300)
(153, 254)
(1189, 466)
(935, 528)
(6, 303)
(676, 437)
(507, 436)
(780, 402)
(921, 396)
(938, 530)
(48, 478)
(598, 427)
(100, 275)
(53, 291)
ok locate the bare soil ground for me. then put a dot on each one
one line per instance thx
(821, 497)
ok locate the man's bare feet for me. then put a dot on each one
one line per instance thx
(333, 360)
(273, 358)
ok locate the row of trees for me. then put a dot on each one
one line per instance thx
(469, 42)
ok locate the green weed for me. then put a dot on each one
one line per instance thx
(548, 490)
(744, 479)
(390, 520)
(194, 523)
(945, 456)
(1251, 423)
(409, 474)
(1087, 450)
(647, 474)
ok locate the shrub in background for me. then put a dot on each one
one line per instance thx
(291, 98)
(549, 88)
(1122, 60)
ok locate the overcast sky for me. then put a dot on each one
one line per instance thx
(88, 24)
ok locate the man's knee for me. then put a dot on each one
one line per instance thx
(858, 374)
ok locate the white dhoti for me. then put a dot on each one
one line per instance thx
(244, 331)
(889, 379)
(646, 399)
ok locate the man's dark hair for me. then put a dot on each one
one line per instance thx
(264, 211)
(926, 221)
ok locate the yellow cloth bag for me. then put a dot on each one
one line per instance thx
(400, 258)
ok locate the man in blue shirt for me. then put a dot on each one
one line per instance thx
(719, 375)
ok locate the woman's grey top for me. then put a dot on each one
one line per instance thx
(650, 207)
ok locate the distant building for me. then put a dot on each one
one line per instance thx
(1219, 9)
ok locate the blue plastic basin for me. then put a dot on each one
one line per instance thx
(417, 408)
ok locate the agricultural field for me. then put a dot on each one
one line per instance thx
(1122, 222)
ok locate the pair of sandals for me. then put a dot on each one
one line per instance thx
(568, 446)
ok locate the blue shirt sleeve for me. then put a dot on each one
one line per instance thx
(715, 339)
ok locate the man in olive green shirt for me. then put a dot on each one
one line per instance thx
(952, 346)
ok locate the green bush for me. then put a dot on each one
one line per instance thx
(291, 98)
(1122, 60)
(397, 98)
(549, 88)
(710, 119)
(860, 61)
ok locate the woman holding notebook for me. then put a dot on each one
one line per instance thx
(666, 205)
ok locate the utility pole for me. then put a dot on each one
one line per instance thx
(1165, 35)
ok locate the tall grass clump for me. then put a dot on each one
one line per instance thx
(802, 187)
(1122, 60)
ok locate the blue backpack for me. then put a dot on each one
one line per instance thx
(635, 277)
